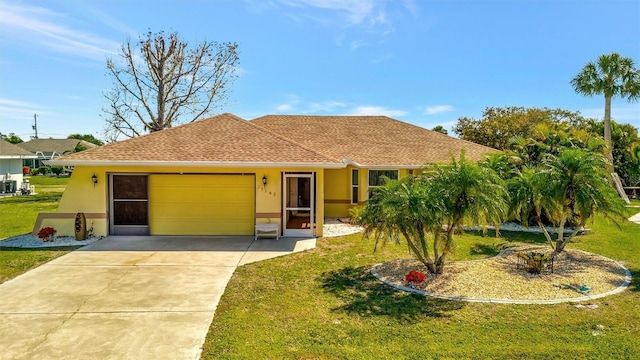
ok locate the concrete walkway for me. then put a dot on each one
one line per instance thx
(126, 297)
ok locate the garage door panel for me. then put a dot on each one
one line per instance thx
(194, 227)
(202, 204)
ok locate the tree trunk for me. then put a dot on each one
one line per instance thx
(607, 133)
(439, 265)
(430, 266)
(561, 244)
(559, 247)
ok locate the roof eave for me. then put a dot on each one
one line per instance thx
(231, 164)
(377, 166)
(4, 157)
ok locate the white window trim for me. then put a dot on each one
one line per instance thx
(356, 186)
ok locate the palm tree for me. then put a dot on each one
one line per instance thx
(611, 75)
(568, 188)
(402, 209)
(435, 203)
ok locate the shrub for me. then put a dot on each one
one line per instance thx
(414, 276)
(46, 233)
(43, 170)
(356, 214)
(57, 170)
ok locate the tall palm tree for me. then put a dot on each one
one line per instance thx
(611, 75)
(435, 203)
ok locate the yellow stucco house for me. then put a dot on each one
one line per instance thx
(224, 175)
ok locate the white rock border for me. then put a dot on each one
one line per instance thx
(619, 289)
(27, 241)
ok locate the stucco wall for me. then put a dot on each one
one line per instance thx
(81, 196)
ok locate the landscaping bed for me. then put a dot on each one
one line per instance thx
(500, 278)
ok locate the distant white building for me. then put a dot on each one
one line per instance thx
(11, 160)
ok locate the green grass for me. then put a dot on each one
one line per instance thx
(324, 304)
(17, 216)
(14, 262)
(18, 213)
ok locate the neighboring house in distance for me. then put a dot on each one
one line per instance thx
(11, 158)
(223, 175)
(48, 149)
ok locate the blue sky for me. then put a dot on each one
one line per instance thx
(423, 62)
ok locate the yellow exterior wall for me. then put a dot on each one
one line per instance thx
(320, 196)
(338, 189)
(81, 196)
(337, 192)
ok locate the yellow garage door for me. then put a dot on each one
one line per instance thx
(201, 204)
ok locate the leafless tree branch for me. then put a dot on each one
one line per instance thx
(160, 82)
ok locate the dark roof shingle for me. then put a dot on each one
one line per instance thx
(222, 138)
(48, 146)
(371, 140)
(364, 140)
(9, 150)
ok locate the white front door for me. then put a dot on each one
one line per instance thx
(298, 203)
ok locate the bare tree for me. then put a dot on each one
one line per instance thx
(159, 82)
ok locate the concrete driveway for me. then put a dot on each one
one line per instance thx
(126, 297)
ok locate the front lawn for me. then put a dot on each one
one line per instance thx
(324, 304)
(17, 216)
(14, 262)
(19, 213)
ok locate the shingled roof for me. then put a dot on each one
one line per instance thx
(323, 141)
(11, 151)
(371, 140)
(224, 140)
(50, 146)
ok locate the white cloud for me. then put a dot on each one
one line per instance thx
(284, 107)
(295, 105)
(354, 11)
(377, 110)
(326, 106)
(366, 15)
(40, 27)
(17, 116)
(290, 104)
(436, 109)
(16, 109)
(411, 6)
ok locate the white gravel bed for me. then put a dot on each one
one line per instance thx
(499, 277)
(29, 241)
(339, 227)
(512, 226)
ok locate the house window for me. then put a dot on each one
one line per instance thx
(378, 177)
(354, 186)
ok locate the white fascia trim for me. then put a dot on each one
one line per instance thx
(4, 157)
(231, 164)
(380, 167)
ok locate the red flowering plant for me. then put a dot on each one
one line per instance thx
(46, 233)
(414, 277)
